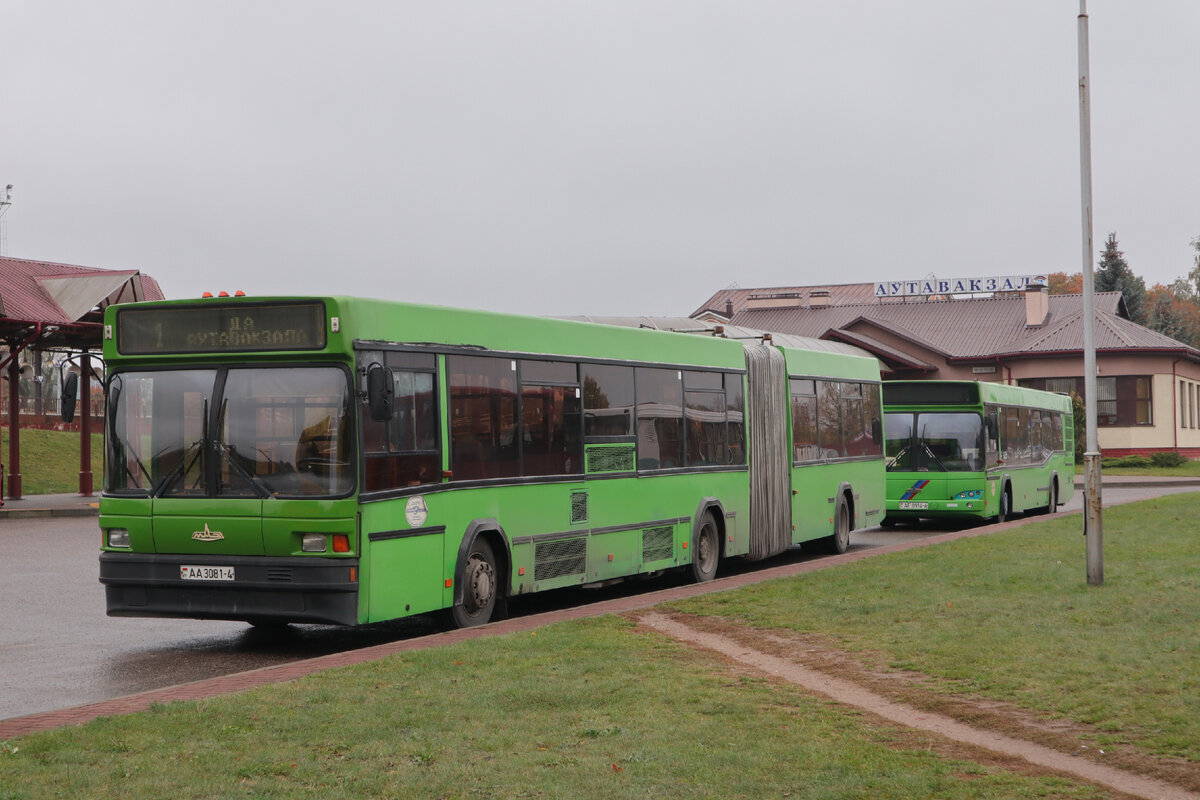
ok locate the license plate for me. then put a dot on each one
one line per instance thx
(189, 573)
(905, 506)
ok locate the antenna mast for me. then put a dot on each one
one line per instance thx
(5, 202)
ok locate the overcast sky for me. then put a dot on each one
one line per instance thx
(606, 157)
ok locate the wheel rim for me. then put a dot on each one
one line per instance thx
(481, 584)
(706, 548)
(843, 529)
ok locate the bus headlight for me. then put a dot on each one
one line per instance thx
(118, 537)
(313, 543)
(973, 494)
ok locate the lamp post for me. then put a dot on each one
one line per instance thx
(1092, 520)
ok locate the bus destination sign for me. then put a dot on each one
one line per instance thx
(240, 327)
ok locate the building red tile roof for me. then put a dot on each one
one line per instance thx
(60, 296)
(969, 328)
(35, 291)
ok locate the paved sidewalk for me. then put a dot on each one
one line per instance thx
(50, 505)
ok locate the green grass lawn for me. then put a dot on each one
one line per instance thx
(1189, 469)
(589, 709)
(1010, 617)
(601, 709)
(50, 461)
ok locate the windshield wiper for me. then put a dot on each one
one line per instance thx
(936, 460)
(230, 453)
(180, 468)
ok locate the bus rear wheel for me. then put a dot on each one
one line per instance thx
(480, 587)
(1052, 500)
(707, 551)
(839, 540)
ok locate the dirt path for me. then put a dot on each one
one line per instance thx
(854, 694)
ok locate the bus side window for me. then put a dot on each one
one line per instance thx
(992, 432)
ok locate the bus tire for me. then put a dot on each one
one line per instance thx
(480, 581)
(1005, 505)
(839, 541)
(706, 550)
(1052, 500)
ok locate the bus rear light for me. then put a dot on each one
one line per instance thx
(354, 574)
(312, 543)
(118, 537)
(341, 543)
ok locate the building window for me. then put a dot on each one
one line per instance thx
(1184, 407)
(1061, 385)
(1121, 400)
(1106, 401)
(1144, 401)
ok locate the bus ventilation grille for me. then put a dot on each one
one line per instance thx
(611, 459)
(279, 574)
(559, 558)
(579, 507)
(658, 543)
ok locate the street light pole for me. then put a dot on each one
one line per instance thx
(1092, 521)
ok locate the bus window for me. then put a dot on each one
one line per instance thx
(158, 423)
(483, 422)
(283, 431)
(403, 451)
(705, 413)
(804, 421)
(607, 400)
(735, 413)
(550, 430)
(898, 440)
(829, 426)
(659, 418)
(949, 442)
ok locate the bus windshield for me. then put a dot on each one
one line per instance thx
(249, 432)
(934, 441)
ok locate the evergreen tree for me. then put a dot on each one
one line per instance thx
(1114, 275)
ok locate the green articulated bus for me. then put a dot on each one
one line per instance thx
(348, 461)
(975, 450)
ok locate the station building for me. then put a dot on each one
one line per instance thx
(1009, 330)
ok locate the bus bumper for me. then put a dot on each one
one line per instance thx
(264, 589)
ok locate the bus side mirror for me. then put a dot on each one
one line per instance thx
(993, 427)
(70, 394)
(381, 392)
(877, 431)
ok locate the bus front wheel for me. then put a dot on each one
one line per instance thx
(707, 551)
(1005, 505)
(480, 587)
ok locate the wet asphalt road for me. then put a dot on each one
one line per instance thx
(59, 649)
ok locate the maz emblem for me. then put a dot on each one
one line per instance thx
(208, 536)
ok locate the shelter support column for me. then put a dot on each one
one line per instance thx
(14, 429)
(85, 425)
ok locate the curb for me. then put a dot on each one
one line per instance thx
(34, 513)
